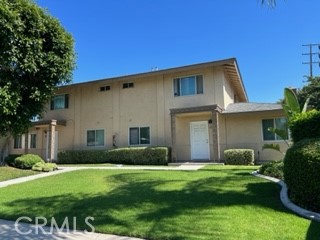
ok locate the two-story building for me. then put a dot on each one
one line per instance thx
(199, 110)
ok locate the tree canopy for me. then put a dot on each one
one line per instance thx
(36, 55)
(312, 91)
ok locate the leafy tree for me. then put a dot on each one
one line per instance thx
(311, 91)
(36, 55)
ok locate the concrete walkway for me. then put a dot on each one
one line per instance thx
(9, 231)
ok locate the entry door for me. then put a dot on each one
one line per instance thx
(199, 140)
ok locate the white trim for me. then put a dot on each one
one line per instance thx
(139, 145)
(29, 140)
(196, 88)
(274, 125)
(22, 142)
(97, 129)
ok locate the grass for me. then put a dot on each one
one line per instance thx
(7, 173)
(110, 165)
(218, 202)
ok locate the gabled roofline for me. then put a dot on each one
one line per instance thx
(230, 65)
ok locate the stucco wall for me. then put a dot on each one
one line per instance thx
(245, 131)
(147, 104)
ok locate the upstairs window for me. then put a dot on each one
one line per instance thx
(128, 85)
(185, 86)
(279, 123)
(105, 88)
(139, 135)
(59, 102)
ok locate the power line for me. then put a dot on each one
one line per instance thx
(311, 54)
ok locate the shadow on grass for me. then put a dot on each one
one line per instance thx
(153, 208)
(313, 231)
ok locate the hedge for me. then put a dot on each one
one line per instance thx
(301, 173)
(272, 169)
(44, 167)
(239, 156)
(82, 156)
(27, 161)
(305, 125)
(9, 160)
(130, 155)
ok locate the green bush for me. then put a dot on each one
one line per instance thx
(239, 156)
(27, 161)
(82, 156)
(272, 169)
(305, 125)
(130, 155)
(44, 167)
(302, 173)
(9, 160)
(139, 155)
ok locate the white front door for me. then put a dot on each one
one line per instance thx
(199, 138)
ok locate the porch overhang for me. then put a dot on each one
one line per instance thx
(213, 110)
(49, 122)
(199, 109)
(50, 126)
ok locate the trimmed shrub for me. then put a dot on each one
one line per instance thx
(9, 160)
(301, 173)
(27, 161)
(82, 156)
(272, 169)
(44, 167)
(305, 125)
(139, 155)
(239, 156)
(130, 155)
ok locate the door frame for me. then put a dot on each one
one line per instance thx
(192, 140)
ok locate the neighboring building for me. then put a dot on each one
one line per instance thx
(199, 110)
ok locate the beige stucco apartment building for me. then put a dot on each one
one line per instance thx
(199, 110)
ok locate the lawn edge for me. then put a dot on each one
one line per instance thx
(287, 202)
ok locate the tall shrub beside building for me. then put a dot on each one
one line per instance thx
(302, 160)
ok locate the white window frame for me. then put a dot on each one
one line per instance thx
(95, 130)
(30, 140)
(180, 85)
(127, 85)
(274, 126)
(22, 136)
(139, 144)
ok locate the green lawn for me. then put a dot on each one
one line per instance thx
(218, 202)
(7, 173)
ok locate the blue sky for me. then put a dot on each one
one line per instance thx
(120, 37)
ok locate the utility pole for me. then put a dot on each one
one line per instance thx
(311, 53)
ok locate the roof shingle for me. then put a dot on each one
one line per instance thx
(251, 107)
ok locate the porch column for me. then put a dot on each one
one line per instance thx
(173, 137)
(215, 136)
(52, 140)
(26, 143)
